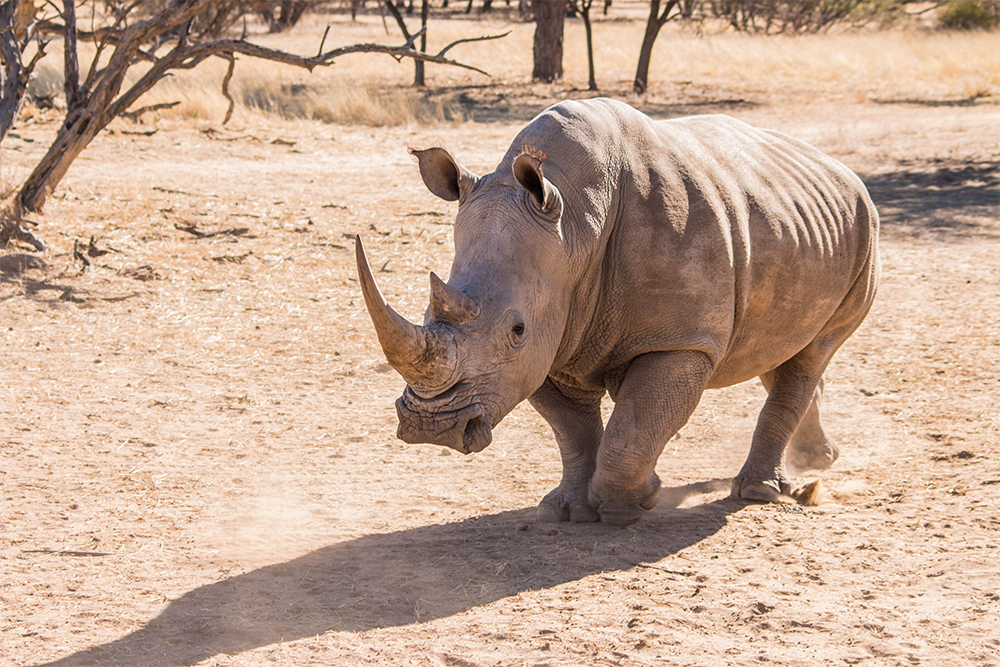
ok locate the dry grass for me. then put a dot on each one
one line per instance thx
(373, 90)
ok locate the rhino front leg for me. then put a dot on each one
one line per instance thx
(657, 396)
(576, 422)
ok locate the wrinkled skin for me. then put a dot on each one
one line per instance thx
(609, 253)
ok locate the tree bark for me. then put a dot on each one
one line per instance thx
(15, 82)
(588, 28)
(418, 73)
(653, 25)
(550, 17)
(71, 64)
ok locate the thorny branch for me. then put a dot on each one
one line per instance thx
(102, 95)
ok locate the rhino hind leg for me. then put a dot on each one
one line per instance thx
(791, 391)
(577, 425)
(793, 401)
(810, 448)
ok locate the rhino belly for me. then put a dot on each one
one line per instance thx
(785, 313)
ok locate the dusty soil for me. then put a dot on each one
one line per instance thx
(198, 462)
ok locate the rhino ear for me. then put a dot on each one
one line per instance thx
(528, 172)
(442, 175)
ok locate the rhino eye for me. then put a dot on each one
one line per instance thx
(517, 334)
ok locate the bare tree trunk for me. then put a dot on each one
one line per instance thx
(14, 19)
(71, 64)
(550, 17)
(641, 81)
(655, 21)
(72, 139)
(418, 73)
(15, 80)
(585, 15)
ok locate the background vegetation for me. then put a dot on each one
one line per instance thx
(111, 58)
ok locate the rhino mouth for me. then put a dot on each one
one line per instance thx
(465, 428)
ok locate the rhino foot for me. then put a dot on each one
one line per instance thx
(766, 491)
(562, 505)
(621, 508)
(814, 455)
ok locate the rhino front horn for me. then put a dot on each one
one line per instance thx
(426, 358)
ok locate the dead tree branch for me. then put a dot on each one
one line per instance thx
(225, 87)
(71, 64)
(134, 115)
(103, 95)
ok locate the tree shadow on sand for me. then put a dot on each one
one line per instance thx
(404, 577)
(940, 201)
(522, 102)
(27, 274)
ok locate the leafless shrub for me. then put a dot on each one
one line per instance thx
(788, 16)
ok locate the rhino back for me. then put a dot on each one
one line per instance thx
(701, 233)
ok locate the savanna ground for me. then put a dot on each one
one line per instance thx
(198, 460)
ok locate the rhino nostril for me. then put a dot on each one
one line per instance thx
(477, 435)
(471, 426)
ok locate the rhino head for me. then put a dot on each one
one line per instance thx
(492, 331)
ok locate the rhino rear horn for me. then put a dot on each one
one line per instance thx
(449, 305)
(427, 359)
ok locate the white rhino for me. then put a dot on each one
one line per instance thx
(647, 259)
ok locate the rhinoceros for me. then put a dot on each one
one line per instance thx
(646, 259)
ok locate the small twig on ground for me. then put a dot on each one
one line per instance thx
(94, 251)
(232, 259)
(194, 231)
(212, 134)
(79, 255)
(18, 233)
(64, 552)
(115, 299)
(663, 569)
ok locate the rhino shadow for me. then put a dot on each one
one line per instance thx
(403, 577)
(958, 201)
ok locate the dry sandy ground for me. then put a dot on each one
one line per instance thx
(197, 452)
